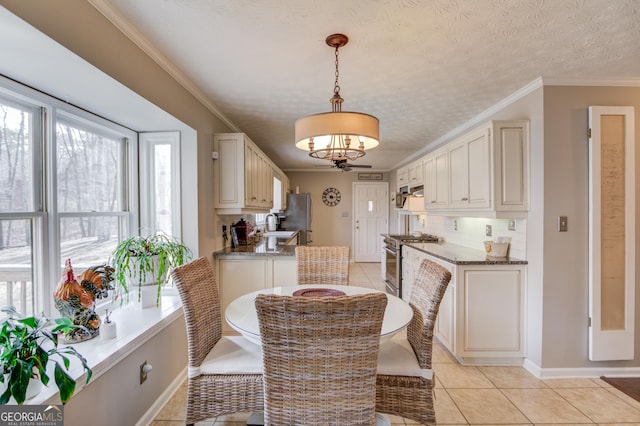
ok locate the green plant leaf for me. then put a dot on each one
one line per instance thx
(21, 354)
(29, 322)
(19, 380)
(136, 257)
(65, 383)
(4, 398)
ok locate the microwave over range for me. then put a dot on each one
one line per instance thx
(404, 192)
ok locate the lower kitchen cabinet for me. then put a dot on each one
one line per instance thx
(481, 316)
(491, 317)
(239, 275)
(285, 271)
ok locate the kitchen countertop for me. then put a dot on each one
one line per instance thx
(461, 255)
(264, 247)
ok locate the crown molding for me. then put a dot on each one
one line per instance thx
(116, 18)
(631, 82)
(478, 119)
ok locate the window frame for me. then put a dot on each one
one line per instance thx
(44, 216)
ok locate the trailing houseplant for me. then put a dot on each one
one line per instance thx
(27, 346)
(144, 260)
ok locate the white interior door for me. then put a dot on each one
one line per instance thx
(370, 219)
(611, 233)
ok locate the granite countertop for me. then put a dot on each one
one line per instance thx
(267, 246)
(461, 255)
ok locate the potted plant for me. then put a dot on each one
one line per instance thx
(146, 260)
(27, 346)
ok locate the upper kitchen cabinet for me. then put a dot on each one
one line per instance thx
(280, 190)
(487, 172)
(414, 174)
(402, 177)
(470, 170)
(243, 174)
(436, 180)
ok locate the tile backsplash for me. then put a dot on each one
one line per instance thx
(470, 231)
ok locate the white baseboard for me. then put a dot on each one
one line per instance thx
(581, 372)
(157, 406)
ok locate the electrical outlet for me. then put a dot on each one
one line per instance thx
(488, 230)
(455, 225)
(512, 224)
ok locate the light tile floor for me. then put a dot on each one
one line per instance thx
(467, 395)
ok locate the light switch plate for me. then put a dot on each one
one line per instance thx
(512, 224)
(562, 224)
(488, 230)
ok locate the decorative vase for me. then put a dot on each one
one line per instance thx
(75, 301)
(149, 278)
(108, 330)
(146, 296)
(144, 290)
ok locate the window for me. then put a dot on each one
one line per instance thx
(20, 201)
(69, 189)
(90, 192)
(159, 178)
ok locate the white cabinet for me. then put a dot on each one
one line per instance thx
(511, 165)
(445, 327)
(243, 175)
(285, 271)
(402, 177)
(436, 180)
(239, 275)
(492, 320)
(285, 190)
(481, 316)
(470, 171)
(410, 263)
(414, 174)
(483, 173)
(258, 177)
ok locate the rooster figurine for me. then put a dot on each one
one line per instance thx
(77, 301)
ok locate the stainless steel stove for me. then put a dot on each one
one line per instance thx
(393, 259)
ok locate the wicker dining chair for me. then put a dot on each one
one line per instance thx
(225, 373)
(405, 381)
(323, 265)
(320, 357)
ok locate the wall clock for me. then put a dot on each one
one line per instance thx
(331, 197)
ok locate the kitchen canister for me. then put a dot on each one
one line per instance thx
(495, 249)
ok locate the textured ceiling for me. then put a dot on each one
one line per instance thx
(423, 67)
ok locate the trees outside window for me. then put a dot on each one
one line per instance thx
(72, 185)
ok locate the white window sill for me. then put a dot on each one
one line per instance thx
(135, 326)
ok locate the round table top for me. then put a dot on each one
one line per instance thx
(242, 316)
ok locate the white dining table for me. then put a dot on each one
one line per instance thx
(241, 313)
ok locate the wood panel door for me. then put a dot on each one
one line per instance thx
(611, 233)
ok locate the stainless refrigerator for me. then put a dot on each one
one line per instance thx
(298, 216)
